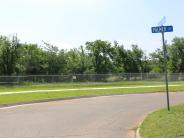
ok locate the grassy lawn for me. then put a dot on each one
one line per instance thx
(14, 98)
(53, 86)
(164, 124)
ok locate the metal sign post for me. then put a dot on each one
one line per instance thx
(162, 29)
(165, 64)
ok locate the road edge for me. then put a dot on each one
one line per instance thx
(68, 98)
(137, 133)
(134, 131)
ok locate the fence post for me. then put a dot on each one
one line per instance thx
(130, 76)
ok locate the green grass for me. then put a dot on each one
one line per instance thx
(164, 124)
(15, 98)
(53, 86)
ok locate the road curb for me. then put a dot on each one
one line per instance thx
(137, 133)
(133, 132)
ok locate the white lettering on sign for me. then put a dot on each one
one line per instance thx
(161, 29)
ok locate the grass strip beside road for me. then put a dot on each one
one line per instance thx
(49, 94)
(164, 124)
(85, 89)
(56, 86)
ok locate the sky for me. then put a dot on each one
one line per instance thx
(71, 23)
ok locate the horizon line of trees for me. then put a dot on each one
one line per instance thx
(97, 57)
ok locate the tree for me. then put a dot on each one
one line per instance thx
(73, 61)
(176, 54)
(78, 62)
(8, 54)
(146, 66)
(55, 60)
(85, 62)
(133, 60)
(120, 56)
(62, 62)
(157, 61)
(98, 56)
(34, 60)
(101, 53)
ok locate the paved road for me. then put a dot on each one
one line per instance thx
(98, 117)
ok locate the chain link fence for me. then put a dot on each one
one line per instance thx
(90, 78)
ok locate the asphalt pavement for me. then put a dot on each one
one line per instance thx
(97, 117)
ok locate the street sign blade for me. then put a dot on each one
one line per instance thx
(161, 29)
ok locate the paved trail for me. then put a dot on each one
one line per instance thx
(98, 117)
(86, 89)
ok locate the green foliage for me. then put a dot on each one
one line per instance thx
(176, 53)
(157, 61)
(8, 54)
(101, 53)
(96, 57)
(33, 59)
(134, 60)
(119, 59)
(55, 59)
(78, 62)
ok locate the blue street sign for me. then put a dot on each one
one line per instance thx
(161, 29)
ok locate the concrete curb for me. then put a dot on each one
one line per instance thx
(137, 132)
(133, 132)
(137, 135)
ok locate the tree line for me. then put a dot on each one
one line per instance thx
(97, 57)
